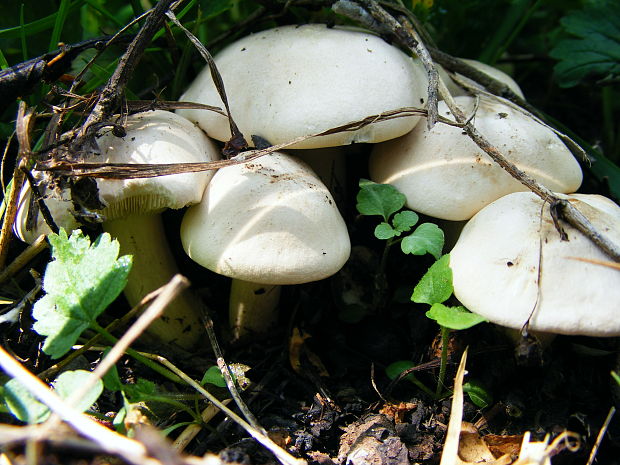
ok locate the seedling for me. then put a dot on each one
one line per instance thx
(434, 288)
(385, 201)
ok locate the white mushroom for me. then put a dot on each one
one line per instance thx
(510, 263)
(133, 206)
(489, 70)
(265, 223)
(294, 81)
(444, 174)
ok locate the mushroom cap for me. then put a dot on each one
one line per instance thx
(299, 80)
(269, 221)
(60, 208)
(495, 266)
(155, 137)
(444, 174)
(151, 137)
(491, 71)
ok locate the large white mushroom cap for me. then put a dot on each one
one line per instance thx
(269, 221)
(504, 248)
(444, 174)
(298, 80)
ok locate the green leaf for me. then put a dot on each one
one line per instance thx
(213, 376)
(385, 231)
(143, 389)
(80, 282)
(454, 317)
(379, 199)
(25, 407)
(477, 393)
(616, 378)
(427, 238)
(405, 220)
(393, 370)
(597, 51)
(436, 284)
(213, 8)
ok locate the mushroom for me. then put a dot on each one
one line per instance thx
(444, 174)
(133, 206)
(509, 264)
(265, 223)
(295, 81)
(489, 70)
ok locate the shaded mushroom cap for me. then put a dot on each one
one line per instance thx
(489, 70)
(155, 137)
(495, 266)
(299, 80)
(444, 174)
(270, 221)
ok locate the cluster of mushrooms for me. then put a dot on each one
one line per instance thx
(272, 221)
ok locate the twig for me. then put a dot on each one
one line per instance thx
(230, 382)
(600, 435)
(111, 93)
(23, 258)
(415, 45)
(111, 442)
(95, 339)
(237, 142)
(190, 432)
(132, 171)
(283, 456)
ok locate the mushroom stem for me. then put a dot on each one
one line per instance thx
(252, 307)
(153, 266)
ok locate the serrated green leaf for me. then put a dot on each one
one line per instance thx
(453, 317)
(427, 238)
(25, 407)
(436, 284)
(385, 231)
(405, 220)
(597, 51)
(379, 199)
(80, 282)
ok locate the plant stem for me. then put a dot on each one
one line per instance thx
(137, 356)
(445, 341)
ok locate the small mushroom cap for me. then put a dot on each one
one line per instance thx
(152, 137)
(493, 72)
(269, 221)
(299, 80)
(155, 137)
(444, 174)
(60, 208)
(495, 266)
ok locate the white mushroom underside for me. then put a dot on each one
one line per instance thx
(495, 265)
(270, 221)
(299, 80)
